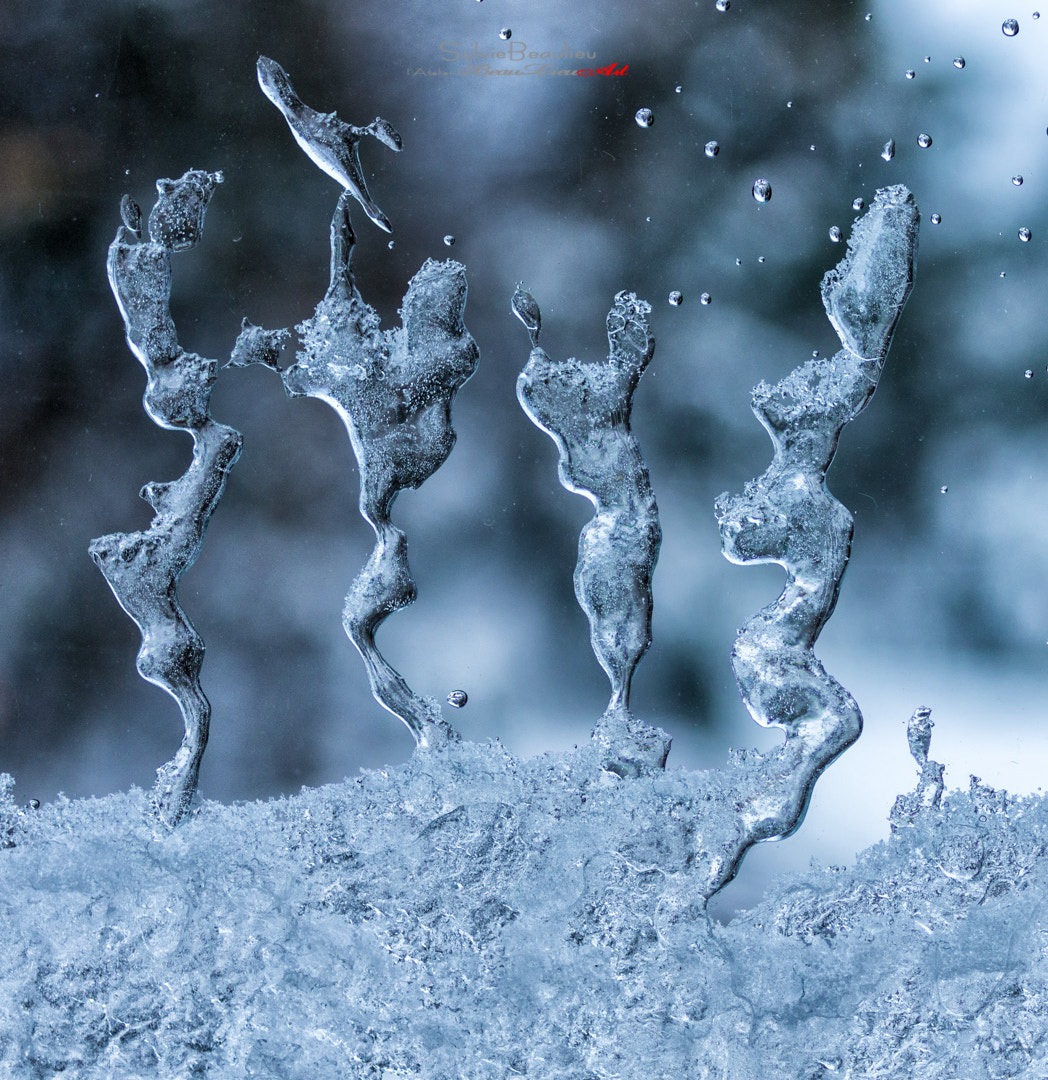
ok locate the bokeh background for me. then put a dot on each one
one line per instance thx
(546, 179)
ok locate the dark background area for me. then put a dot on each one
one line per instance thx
(549, 180)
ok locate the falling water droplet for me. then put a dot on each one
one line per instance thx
(1028, 373)
(505, 33)
(449, 240)
(911, 74)
(712, 148)
(1017, 181)
(676, 298)
(958, 62)
(458, 698)
(889, 150)
(645, 117)
(858, 204)
(835, 234)
(924, 140)
(1010, 27)
(936, 219)
(1025, 234)
(761, 190)
(705, 298)
(943, 490)
(723, 5)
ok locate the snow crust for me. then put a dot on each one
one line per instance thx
(471, 915)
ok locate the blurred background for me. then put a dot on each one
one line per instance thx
(547, 179)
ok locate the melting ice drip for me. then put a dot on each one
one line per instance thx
(393, 389)
(788, 517)
(143, 568)
(585, 409)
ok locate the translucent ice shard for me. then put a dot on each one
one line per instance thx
(330, 143)
(585, 409)
(143, 568)
(788, 517)
(393, 390)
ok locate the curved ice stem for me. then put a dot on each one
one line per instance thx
(143, 568)
(585, 409)
(329, 142)
(393, 390)
(788, 517)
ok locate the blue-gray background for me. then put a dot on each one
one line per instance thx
(549, 180)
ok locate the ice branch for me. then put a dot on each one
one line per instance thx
(585, 409)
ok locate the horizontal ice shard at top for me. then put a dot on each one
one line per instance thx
(330, 143)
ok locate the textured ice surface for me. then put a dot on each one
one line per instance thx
(143, 568)
(585, 409)
(468, 915)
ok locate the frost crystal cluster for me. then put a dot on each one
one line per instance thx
(471, 915)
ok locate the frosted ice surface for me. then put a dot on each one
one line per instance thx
(143, 568)
(469, 915)
(585, 408)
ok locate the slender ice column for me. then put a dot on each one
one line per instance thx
(788, 517)
(143, 568)
(585, 409)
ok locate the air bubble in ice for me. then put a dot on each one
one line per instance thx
(505, 33)
(936, 219)
(1017, 180)
(889, 150)
(645, 118)
(449, 240)
(958, 62)
(676, 298)
(835, 234)
(705, 298)
(1025, 234)
(761, 190)
(924, 140)
(458, 698)
(1010, 27)
(858, 204)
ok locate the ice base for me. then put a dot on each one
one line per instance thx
(470, 915)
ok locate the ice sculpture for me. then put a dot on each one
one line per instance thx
(143, 568)
(585, 409)
(392, 389)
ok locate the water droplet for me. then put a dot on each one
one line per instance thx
(723, 5)
(1035, 15)
(712, 148)
(1028, 373)
(449, 240)
(911, 74)
(936, 219)
(815, 354)
(678, 89)
(958, 62)
(858, 204)
(705, 298)
(1025, 234)
(676, 298)
(505, 33)
(1017, 180)
(738, 262)
(458, 698)
(1003, 274)
(1010, 27)
(761, 190)
(812, 148)
(924, 140)
(868, 16)
(927, 59)
(760, 258)
(943, 490)
(789, 104)
(645, 117)
(33, 804)
(889, 150)
(390, 245)
(835, 234)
